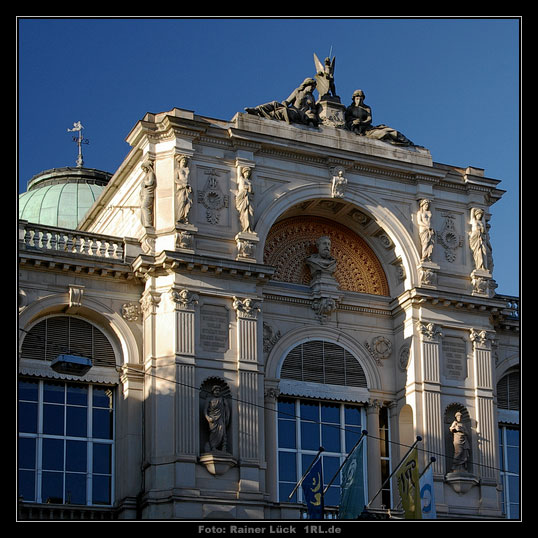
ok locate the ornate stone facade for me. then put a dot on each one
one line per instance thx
(206, 284)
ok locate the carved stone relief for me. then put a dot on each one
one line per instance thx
(212, 197)
(130, 311)
(380, 348)
(291, 241)
(449, 238)
(270, 337)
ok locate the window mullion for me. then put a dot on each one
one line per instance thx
(39, 443)
(298, 444)
(89, 449)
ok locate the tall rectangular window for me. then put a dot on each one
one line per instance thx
(384, 449)
(509, 456)
(304, 426)
(66, 442)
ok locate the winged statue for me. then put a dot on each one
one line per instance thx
(325, 77)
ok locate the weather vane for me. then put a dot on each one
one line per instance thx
(77, 127)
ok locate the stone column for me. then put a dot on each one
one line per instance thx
(129, 438)
(185, 389)
(486, 425)
(374, 453)
(271, 449)
(432, 425)
(159, 390)
(249, 408)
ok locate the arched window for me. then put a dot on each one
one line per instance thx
(322, 389)
(66, 426)
(508, 391)
(67, 334)
(323, 362)
(508, 395)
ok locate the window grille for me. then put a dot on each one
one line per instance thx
(66, 334)
(323, 362)
(508, 392)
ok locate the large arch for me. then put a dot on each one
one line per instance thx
(404, 246)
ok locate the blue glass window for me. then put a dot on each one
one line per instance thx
(510, 469)
(66, 442)
(304, 426)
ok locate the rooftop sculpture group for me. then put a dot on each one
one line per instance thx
(302, 108)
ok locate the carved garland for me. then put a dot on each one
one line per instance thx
(292, 240)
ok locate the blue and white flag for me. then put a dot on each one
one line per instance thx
(313, 491)
(427, 497)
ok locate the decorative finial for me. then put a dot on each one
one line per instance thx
(77, 127)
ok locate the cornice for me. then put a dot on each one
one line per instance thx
(75, 263)
(448, 300)
(169, 262)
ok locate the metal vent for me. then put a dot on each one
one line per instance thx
(65, 334)
(323, 362)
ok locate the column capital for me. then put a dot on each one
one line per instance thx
(247, 308)
(183, 298)
(481, 339)
(429, 332)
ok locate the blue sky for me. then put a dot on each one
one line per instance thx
(451, 85)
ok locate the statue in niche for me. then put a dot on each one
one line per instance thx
(147, 193)
(325, 77)
(217, 415)
(322, 262)
(461, 442)
(244, 199)
(183, 189)
(358, 118)
(299, 107)
(478, 239)
(425, 230)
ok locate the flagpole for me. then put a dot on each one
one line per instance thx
(321, 449)
(395, 470)
(432, 460)
(363, 433)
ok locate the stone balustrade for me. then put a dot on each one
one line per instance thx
(62, 240)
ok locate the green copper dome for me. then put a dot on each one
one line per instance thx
(61, 196)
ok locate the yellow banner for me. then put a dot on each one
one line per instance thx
(408, 486)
